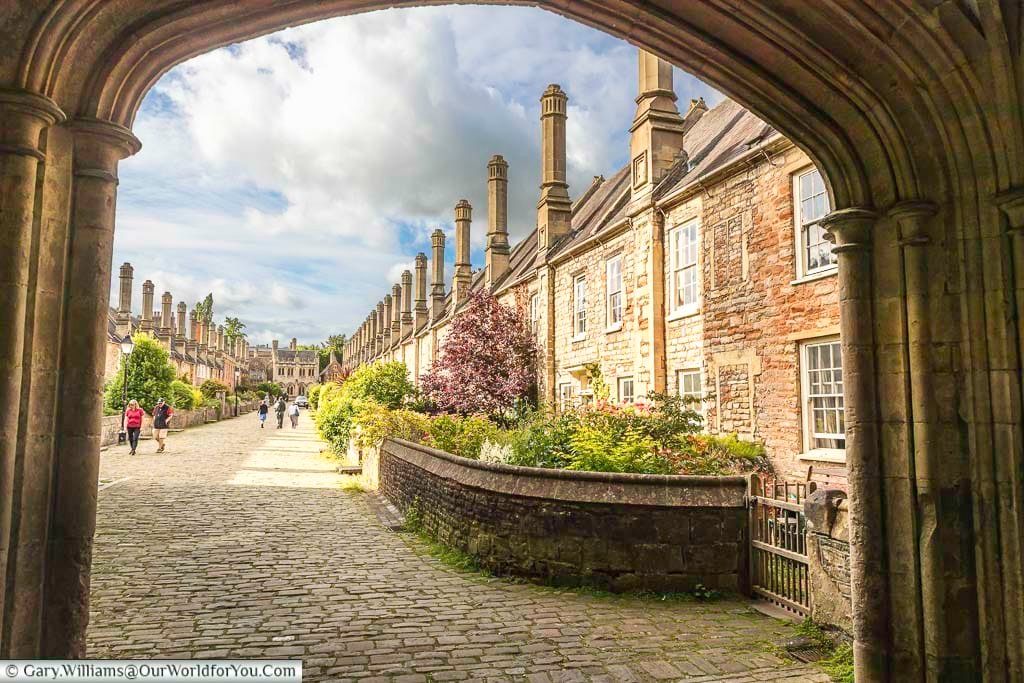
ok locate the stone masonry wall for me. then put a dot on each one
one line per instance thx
(621, 532)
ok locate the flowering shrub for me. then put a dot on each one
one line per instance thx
(487, 363)
(383, 384)
(372, 423)
(463, 436)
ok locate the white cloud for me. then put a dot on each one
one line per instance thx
(296, 175)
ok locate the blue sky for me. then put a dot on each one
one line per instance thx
(296, 175)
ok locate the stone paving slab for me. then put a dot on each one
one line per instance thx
(239, 542)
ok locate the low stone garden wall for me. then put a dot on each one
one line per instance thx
(183, 419)
(828, 558)
(616, 531)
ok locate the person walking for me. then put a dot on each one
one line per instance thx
(262, 412)
(161, 423)
(133, 423)
(279, 408)
(293, 413)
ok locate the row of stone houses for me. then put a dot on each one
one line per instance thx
(699, 268)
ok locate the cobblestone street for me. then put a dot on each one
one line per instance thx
(238, 542)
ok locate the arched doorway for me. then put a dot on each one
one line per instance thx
(914, 113)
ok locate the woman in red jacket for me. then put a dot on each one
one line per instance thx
(133, 423)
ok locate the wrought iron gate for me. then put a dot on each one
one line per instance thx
(778, 543)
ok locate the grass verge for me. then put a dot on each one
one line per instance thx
(839, 663)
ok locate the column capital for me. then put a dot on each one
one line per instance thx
(912, 216)
(850, 229)
(1011, 203)
(24, 115)
(99, 145)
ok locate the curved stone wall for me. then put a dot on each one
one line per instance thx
(616, 531)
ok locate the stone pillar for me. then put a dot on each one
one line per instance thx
(26, 121)
(421, 314)
(463, 268)
(851, 231)
(554, 211)
(406, 303)
(98, 147)
(396, 319)
(498, 249)
(386, 323)
(180, 331)
(146, 321)
(124, 306)
(437, 292)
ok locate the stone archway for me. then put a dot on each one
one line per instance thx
(913, 110)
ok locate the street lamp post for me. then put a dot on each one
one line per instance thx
(127, 346)
(238, 376)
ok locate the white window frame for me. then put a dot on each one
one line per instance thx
(801, 226)
(564, 395)
(810, 450)
(579, 307)
(535, 314)
(620, 384)
(699, 394)
(691, 229)
(616, 294)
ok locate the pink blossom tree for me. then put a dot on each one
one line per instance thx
(486, 364)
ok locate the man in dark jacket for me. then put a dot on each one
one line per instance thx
(161, 423)
(279, 408)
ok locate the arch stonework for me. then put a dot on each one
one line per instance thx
(914, 112)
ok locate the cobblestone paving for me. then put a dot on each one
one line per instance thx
(237, 542)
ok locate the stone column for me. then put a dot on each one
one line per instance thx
(386, 322)
(25, 129)
(181, 331)
(98, 147)
(396, 320)
(124, 306)
(851, 230)
(498, 249)
(437, 292)
(554, 211)
(463, 268)
(406, 303)
(421, 314)
(146, 321)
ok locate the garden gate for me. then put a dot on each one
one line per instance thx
(778, 543)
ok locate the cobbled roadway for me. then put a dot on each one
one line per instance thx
(238, 543)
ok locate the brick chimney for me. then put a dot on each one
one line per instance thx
(463, 268)
(437, 281)
(554, 211)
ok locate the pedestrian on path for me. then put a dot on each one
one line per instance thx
(162, 414)
(133, 423)
(293, 413)
(279, 409)
(262, 412)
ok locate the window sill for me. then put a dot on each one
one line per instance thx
(818, 275)
(684, 312)
(834, 455)
(579, 338)
(617, 327)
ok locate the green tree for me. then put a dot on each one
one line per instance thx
(233, 328)
(204, 309)
(149, 375)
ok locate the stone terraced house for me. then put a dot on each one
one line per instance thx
(698, 269)
(198, 351)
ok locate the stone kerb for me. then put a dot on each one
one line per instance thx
(615, 531)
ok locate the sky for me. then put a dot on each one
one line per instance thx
(296, 175)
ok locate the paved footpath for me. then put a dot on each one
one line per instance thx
(238, 542)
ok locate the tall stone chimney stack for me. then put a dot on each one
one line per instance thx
(396, 318)
(420, 312)
(221, 340)
(180, 330)
(406, 302)
(437, 281)
(124, 304)
(146, 323)
(463, 268)
(498, 248)
(554, 211)
(656, 136)
(166, 303)
(379, 321)
(294, 345)
(386, 323)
